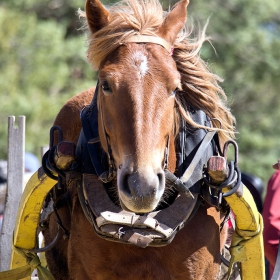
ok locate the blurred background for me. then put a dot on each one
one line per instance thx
(43, 63)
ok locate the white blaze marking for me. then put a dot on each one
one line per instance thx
(141, 62)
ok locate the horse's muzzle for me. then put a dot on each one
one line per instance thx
(140, 190)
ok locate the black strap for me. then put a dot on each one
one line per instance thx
(89, 118)
(187, 144)
(198, 156)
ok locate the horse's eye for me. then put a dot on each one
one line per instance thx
(106, 87)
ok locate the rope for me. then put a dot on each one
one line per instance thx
(32, 262)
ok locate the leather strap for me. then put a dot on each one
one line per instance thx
(150, 39)
(133, 220)
(89, 119)
(202, 148)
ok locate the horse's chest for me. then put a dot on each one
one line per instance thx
(192, 255)
(103, 259)
(129, 262)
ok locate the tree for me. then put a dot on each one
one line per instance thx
(39, 71)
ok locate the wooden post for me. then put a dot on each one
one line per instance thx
(16, 147)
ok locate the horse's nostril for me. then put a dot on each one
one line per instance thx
(161, 178)
(125, 184)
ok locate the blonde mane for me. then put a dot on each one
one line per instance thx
(200, 87)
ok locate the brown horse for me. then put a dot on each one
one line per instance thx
(151, 80)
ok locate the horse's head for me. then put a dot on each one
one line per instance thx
(137, 83)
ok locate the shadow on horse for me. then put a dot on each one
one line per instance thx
(140, 153)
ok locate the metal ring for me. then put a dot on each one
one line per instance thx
(237, 185)
(45, 166)
(235, 150)
(60, 134)
(53, 166)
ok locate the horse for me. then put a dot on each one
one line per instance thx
(153, 92)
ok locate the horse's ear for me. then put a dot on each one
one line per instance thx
(174, 21)
(97, 15)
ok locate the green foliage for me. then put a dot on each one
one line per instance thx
(39, 71)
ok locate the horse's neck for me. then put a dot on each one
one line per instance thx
(68, 119)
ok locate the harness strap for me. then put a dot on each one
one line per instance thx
(133, 220)
(179, 183)
(89, 118)
(202, 148)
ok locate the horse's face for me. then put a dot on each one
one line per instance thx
(136, 106)
(136, 86)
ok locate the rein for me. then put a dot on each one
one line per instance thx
(179, 183)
